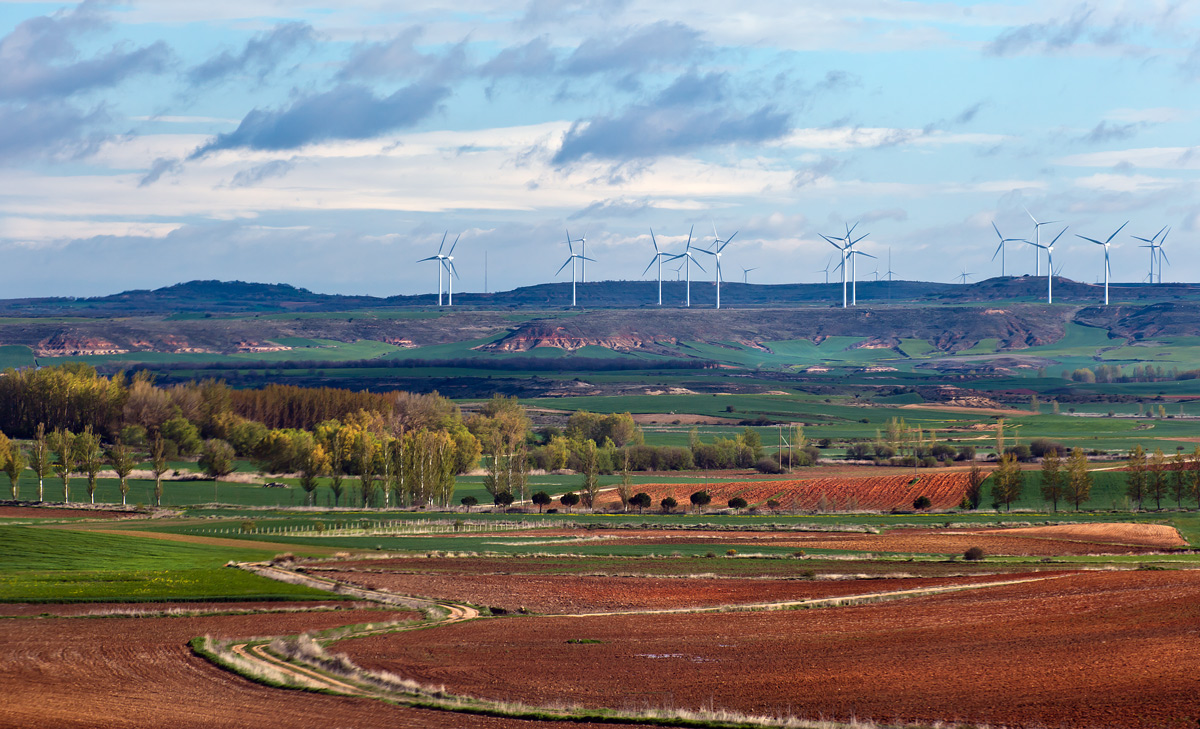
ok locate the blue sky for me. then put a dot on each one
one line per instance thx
(147, 143)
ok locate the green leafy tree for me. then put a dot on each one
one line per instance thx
(158, 463)
(91, 458)
(1079, 478)
(921, 503)
(313, 465)
(469, 501)
(120, 457)
(541, 499)
(975, 479)
(668, 504)
(1135, 477)
(183, 434)
(641, 500)
(700, 499)
(1180, 479)
(737, 503)
(591, 473)
(39, 458)
(1008, 482)
(625, 487)
(14, 465)
(569, 499)
(62, 446)
(1053, 478)
(505, 498)
(216, 458)
(1156, 486)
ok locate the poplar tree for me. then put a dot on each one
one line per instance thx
(1180, 479)
(1052, 478)
(62, 445)
(91, 458)
(1079, 478)
(122, 461)
(158, 461)
(1157, 485)
(1135, 479)
(13, 466)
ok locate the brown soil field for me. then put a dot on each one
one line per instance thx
(585, 593)
(1098, 649)
(84, 609)
(50, 512)
(139, 672)
(1147, 535)
(901, 541)
(681, 419)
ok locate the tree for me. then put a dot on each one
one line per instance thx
(122, 461)
(216, 458)
(625, 487)
(569, 499)
(921, 503)
(541, 499)
(737, 503)
(975, 479)
(183, 434)
(158, 462)
(62, 445)
(505, 498)
(1157, 486)
(700, 499)
(13, 466)
(469, 501)
(591, 473)
(1079, 478)
(668, 504)
(1008, 482)
(39, 459)
(1053, 479)
(91, 458)
(1135, 480)
(313, 465)
(641, 500)
(1180, 479)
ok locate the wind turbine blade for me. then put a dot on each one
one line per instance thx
(860, 253)
(1164, 240)
(857, 240)
(1093, 240)
(1064, 230)
(850, 228)
(1164, 229)
(997, 231)
(689, 243)
(1035, 222)
(693, 259)
(653, 240)
(560, 268)
(438, 258)
(1118, 230)
(1163, 253)
(443, 243)
(585, 258)
(451, 251)
(727, 241)
(652, 260)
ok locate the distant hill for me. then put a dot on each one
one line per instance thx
(219, 298)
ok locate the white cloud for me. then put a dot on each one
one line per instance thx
(1166, 158)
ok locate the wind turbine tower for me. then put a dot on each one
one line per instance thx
(1156, 251)
(658, 258)
(1000, 248)
(841, 265)
(1037, 242)
(1049, 264)
(746, 273)
(441, 261)
(1105, 244)
(719, 247)
(571, 262)
(688, 260)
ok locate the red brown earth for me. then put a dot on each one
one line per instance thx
(1083, 650)
(50, 512)
(139, 672)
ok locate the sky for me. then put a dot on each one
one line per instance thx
(144, 144)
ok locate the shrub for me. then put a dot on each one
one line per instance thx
(773, 504)
(731, 553)
(768, 464)
(737, 503)
(974, 554)
(468, 501)
(668, 504)
(922, 503)
(503, 498)
(1039, 447)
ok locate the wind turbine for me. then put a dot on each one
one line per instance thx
(746, 273)
(689, 259)
(842, 265)
(1049, 264)
(890, 273)
(1037, 241)
(658, 258)
(719, 246)
(1153, 245)
(1105, 244)
(678, 271)
(962, 277)
(854, 271)
(441, 259)
(826, 269)
(451, 272)
(1000, 248)
(571, 262)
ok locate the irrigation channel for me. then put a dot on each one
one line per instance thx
(301, 662)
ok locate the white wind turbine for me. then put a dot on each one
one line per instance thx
(962, 277)
(1000, 248)
(854, 271)
(746, 273)
(688, 259)
(441, 259)
(1049, 264)
(826, 269)
(890, 273)
(835, 242)
(571, 262)
(678, 271)
(1156, 252)
(658, 258)
(1105, 244)
(1037, 242)
(719, 246)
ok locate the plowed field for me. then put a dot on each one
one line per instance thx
(139, 672)
(580, 593)
(1106, 649)
(49, 512)
(874, 493)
